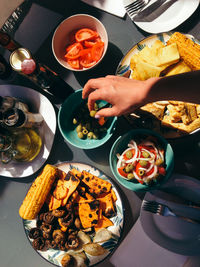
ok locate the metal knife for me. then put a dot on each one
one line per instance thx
(153, 11)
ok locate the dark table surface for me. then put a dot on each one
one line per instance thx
(35, 32)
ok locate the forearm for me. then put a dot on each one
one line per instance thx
(182, 87)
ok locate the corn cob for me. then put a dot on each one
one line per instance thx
(38, 192)
(188, 50)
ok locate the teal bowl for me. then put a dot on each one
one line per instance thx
(67, 129)
(121, 144)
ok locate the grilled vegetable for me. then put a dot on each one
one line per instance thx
(189, 51)
(38, 192)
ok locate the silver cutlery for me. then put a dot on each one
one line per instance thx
(169, 196)
(163, 210)
(153, 11)
(133, 6)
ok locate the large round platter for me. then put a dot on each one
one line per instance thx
(54, 256)
(124, 67)
(37, 103)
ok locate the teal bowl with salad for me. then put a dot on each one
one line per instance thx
(141, 160)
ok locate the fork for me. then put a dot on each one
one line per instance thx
(133, 6)
(163, 210)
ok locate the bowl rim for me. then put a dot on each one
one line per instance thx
(105, 47)
(94, 145)
(137, 186)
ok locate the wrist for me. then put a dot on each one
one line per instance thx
(151, 95)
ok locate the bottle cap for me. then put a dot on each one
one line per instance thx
(17, 57)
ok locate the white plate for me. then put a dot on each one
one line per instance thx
(176, 14)
(37, 103)
(169, 232)
(54, 256)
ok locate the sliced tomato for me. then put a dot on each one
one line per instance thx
(84, 34)
(74, 63)
(122, 172)
(97, 50)
(73, 51)
(161, 170)
(86, 59)
(150, 172)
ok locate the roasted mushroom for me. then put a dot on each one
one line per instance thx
(58, 236)
(72, 242)
(48, 217)
(67, 221)
(39, 243)
(35, 233)
(58, 213)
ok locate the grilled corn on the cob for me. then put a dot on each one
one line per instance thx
(38, 192)
(189, 50)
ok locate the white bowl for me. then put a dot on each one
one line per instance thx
(62, 33)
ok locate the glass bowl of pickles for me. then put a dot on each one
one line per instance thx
(78, 125)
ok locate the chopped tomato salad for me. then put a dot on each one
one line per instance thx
(85, 49)
(143, 161)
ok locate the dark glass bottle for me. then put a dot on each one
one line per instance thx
(5, 68)
(7, 42)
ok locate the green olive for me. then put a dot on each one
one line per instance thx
(85, 131)
(80, 135)
(145, 154)
(92, 113)
(75, 121)
(129, 167)
(159, 162)
(90, 135)
(129, 154)
(143, 163)
(130, 176)
(95, 136)
(79, 128)
(141, 172)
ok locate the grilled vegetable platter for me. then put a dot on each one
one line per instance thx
(72, 215)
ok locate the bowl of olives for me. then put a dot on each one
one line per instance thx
(78, 125)
(141, 160)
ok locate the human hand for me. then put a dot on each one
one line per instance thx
(124, 94)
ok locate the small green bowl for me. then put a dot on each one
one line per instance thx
(121, 144)
(67, 129)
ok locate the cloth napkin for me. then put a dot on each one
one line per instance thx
(114, 7)
(138, 250)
